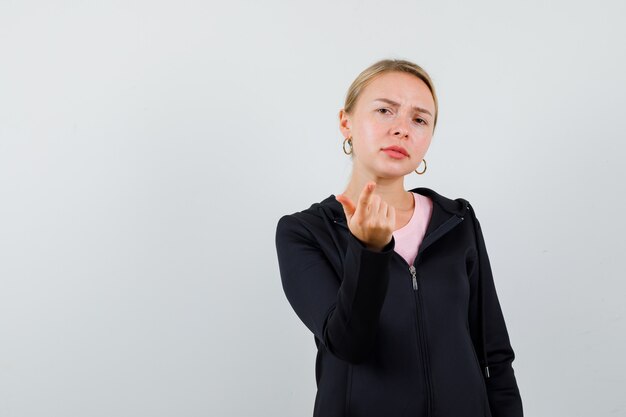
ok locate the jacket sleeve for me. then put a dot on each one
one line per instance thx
(341, 311)
(490, 336)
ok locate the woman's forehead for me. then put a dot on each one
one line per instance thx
(399, 87)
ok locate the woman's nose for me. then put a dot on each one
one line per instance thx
(400, 130)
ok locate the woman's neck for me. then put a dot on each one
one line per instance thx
(391, 191)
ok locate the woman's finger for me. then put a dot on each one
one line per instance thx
(347, 204)
(384, 209)
(374, 207)
(366, 194)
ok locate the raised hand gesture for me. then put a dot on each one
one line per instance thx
(371, 220)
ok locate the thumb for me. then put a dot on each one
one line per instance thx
(347, 204)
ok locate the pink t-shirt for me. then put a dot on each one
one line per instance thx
(409, 237)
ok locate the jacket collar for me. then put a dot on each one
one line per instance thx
(456, 207)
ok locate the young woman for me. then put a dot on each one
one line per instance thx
(396, 285)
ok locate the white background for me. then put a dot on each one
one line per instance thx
(148, 148)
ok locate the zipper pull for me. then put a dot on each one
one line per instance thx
(412, 269)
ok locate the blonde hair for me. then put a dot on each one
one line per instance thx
(383, 66)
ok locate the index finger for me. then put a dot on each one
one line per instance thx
(366, 194)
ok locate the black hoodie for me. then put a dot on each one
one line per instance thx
(394, 339)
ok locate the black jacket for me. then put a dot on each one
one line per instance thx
(393, 339)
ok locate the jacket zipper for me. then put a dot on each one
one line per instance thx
(434, 236)
(428, 240)
(423, 346)
(413, 273)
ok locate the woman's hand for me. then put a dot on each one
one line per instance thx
(372, 220)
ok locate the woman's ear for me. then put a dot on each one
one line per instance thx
(345, 123)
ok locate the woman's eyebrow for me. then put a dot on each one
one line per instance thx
(419, 109)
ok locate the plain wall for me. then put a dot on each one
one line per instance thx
(147, 150)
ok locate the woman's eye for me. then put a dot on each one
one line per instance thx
(421, 121)
(383, 110)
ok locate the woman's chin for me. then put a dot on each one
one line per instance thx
(396, 172)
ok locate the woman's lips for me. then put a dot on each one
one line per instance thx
(394, 154)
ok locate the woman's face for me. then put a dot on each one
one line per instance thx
(394, 109)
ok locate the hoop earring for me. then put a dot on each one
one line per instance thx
(420, 173)
(349, 140)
